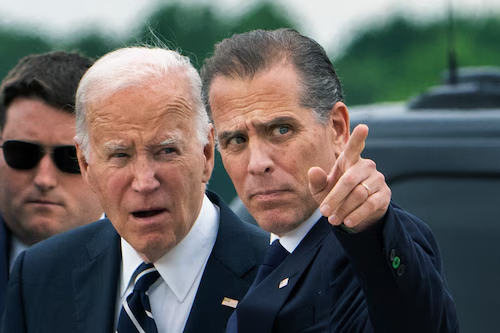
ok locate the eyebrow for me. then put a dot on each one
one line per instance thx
(258, 125)
(168, 142)
(113, 145)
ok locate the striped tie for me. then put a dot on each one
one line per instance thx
(135, 315)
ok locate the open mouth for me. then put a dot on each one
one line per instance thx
(147, 213)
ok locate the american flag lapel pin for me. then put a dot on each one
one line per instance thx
(232, 303)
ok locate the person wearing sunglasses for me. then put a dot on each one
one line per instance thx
(42, 192)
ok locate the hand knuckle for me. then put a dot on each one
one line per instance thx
(371, 164)
(350, 180)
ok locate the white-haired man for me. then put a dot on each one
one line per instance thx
(171, 257)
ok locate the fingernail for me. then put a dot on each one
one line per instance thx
(333, 220)
(325, 210)
(348, 223)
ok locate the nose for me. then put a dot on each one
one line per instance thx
(260, 159)
(145, 177)
(46, 174)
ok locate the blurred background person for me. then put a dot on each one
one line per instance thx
(42, 192)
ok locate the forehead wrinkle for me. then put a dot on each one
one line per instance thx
(177, 103)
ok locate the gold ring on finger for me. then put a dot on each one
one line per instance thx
(367, 188)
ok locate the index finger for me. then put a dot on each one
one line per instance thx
(355, 145)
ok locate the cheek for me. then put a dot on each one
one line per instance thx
(105, 183)
(236, 168)
(319, 152)
(90, 180)
(15, 182)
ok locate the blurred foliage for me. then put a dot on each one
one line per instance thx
(388, 62)
(400, 59)
(196, 39)
(91, 44)
(16, 44)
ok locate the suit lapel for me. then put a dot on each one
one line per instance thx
(98, 273)
(229, 272)
(268, 297)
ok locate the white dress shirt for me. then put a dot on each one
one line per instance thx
(292, 239)
(16, 247)
(172, 295)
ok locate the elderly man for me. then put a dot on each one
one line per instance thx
(41, 190)
(171, 258)
(283, 132)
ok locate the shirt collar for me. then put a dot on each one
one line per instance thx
(292, 239)
(181, 265)
(16, 247)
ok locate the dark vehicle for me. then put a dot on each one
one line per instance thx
(440, 154)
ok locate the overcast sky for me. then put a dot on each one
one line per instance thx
(330, 22)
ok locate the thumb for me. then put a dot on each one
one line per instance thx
(318, 184)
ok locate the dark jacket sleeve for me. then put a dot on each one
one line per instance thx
(398, 265)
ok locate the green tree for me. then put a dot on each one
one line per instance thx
(189, 30)
(265, 15)
(92, 44)
(193, 30)
(16, 44)
(395, 61)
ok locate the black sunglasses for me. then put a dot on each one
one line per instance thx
(23, 155)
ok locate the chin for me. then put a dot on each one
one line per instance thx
(154, 247)
(278, 224)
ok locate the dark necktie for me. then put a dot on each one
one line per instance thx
(273, 258)
(135, 315)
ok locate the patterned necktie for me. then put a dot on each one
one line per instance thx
(135, 315)
(273, 258)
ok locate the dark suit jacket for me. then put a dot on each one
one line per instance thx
(340, 282)
(4, 263)
(69, 282)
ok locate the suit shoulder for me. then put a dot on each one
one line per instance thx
(68, 243)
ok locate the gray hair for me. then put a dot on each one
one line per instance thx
(247, 54)
(133, 67)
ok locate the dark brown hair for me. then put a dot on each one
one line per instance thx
(51, 77)
(245, 55)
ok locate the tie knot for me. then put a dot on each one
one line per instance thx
(146, 275)
(275, 254)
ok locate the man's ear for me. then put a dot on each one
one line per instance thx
(339, 120)
(209, 153)
(82, 162)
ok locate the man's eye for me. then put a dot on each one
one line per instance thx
(119, 155)
(238, 140)
(281, 130)
(168, 150)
